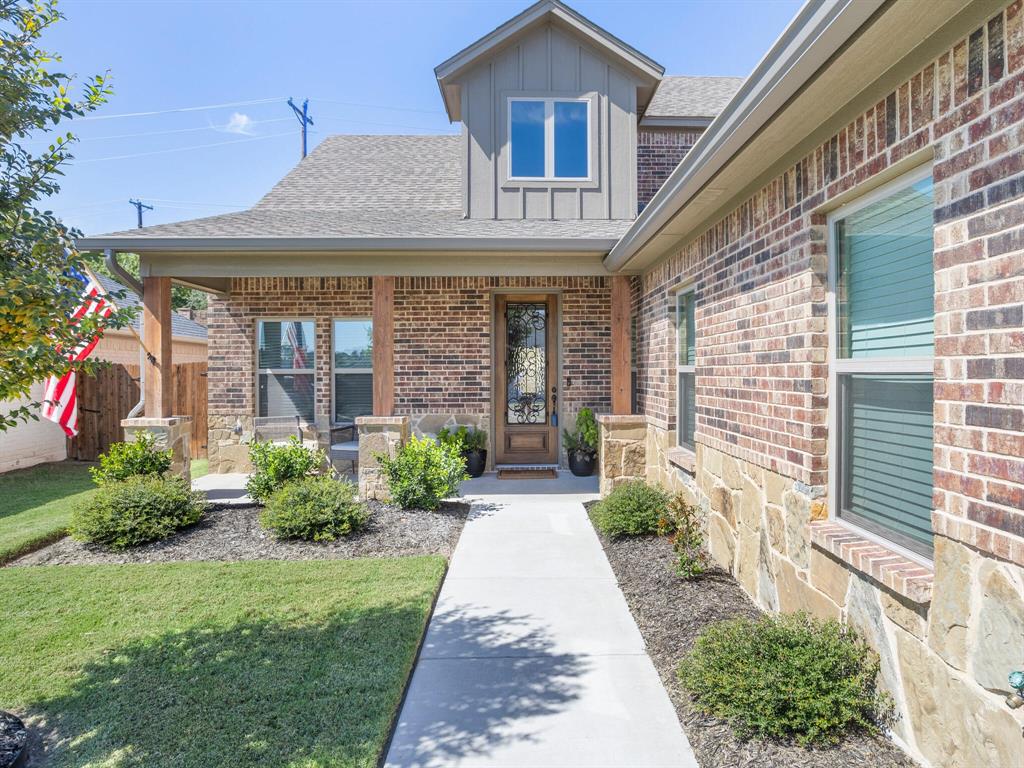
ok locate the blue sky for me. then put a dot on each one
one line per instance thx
(367, 67)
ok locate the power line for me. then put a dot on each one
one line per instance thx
(381, 106)
(181, 109)
(177, 130)
(181, 149)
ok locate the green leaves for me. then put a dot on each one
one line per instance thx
(275, 465)
(633, 508)
(424, 472)
(314, 509)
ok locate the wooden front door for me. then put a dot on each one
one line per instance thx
(526, 395)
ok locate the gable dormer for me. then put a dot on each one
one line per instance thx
(548, 104)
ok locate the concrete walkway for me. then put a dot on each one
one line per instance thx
(532, 657)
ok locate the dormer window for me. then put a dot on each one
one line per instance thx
(549, 139)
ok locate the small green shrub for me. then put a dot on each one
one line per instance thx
(631, 509)
(786, 677)
(138, 510)
(424, 472)
(274, 465)
(681, 523)
(467, 438)
(583, 439)
(129, 459)
(315, 509)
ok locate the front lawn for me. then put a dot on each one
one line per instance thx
(213, 664)
(36, 504)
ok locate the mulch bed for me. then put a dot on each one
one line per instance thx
(234, 533)
(13, 737)
(671, 612)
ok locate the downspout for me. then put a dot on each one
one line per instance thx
(132, 282)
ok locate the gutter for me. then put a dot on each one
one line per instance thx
(341, 244)
(818, 31)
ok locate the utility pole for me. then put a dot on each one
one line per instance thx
(304, 119)
(140, 207)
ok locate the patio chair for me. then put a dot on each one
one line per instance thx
(345, 443)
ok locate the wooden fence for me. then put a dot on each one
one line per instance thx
(107, 397)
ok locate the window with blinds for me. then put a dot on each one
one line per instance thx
(884, 312)
(286, 358)
(686, 355)
(353, 370)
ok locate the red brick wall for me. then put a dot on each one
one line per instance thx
(443, 338)
(760, 276)
(658, 152)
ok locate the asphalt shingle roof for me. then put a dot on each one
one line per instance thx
(686, 96)
(375, 187)
(180, 326)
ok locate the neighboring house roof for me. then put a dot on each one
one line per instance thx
(368, 192)
(684, 96)
(180, 326)
(537, 14)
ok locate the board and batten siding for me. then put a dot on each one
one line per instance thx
(549, 60)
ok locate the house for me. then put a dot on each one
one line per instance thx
(796, 300)
(35, 442)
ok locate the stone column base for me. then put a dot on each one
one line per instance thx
(174, 432)
(378, 435)
(622, 449)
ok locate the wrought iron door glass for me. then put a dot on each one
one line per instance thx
(526, 363)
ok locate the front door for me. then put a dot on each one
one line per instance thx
(526, 395)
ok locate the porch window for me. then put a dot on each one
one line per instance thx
(286, 360)
(686, 354)
(883, 311)
(353, 370)
(549, 139)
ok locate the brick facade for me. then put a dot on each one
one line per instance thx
(658, 152)
(762, 383)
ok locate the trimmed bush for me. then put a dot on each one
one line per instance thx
(138, 510)
(424, 472)
(315, 509)
(631, 509)
(786, 677)
(274, 465)
(131, 459)
(682, 525)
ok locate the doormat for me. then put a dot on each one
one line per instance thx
(527, 473)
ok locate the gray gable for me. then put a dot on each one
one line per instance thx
(180, 326)
(686, 96)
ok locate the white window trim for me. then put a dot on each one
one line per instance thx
(283, 371)
(838, 366)
(681, 367)
(549, 138)
(334, 369)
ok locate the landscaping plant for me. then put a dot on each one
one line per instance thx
(424, 472)
(138, 510)
(581, 443)
(786, 677)
(631, 509)
(472, 444)
(276, 464)
(131, 458)
(681, 523)
(316, 508)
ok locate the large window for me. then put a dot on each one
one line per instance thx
(353, 370)
(883, 315)
(285, 364)
(686, 354)
(549, 139)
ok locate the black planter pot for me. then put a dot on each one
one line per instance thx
(582, 464)
(476, 462)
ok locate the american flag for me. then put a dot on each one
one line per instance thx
(60, 403)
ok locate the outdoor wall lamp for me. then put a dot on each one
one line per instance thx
(1015, 700)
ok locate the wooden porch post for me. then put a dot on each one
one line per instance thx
(622, 400)
(383, 346)
(156, 336)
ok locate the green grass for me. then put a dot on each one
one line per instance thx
(36, 504)
(199, 467)
(212, 664)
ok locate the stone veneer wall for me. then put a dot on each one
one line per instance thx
(947, 634)
(443, 348)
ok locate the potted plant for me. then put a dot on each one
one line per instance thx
(473, 445)
(581, 444)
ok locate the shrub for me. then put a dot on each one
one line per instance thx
(682, 524)
(314, 509)
(137, 510)
(631, 509)
(423, 473)
(129, 459)
(786, 677)
(583, 439)
(275, 464)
